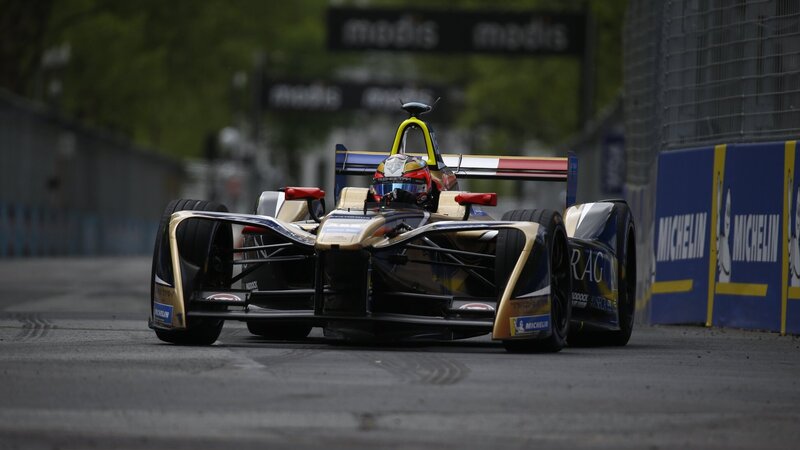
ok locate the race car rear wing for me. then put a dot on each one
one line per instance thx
(531, 168)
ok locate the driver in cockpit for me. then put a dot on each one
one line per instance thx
(406, 179)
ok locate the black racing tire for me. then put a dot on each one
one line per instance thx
(265, 206)
(626, 281)
(279, 331)
(509, 245)
(193, 240)
(626, 286)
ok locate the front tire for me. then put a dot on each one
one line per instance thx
(509, 245)
(194, 238)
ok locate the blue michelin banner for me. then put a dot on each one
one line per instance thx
(726, 244)
(681, 236)
(790, 307)
(748, 187)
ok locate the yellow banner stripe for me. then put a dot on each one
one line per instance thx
(716, 184)
(743, 289)
(671, 287)
(788, 182)
(794, 293)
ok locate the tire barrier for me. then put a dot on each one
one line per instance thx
(727, 237)
(39, 231)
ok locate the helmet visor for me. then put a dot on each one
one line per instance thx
(383, 186)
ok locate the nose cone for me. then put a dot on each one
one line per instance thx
(348, 232)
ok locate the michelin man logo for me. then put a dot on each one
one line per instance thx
(794, 245)
(723, 238)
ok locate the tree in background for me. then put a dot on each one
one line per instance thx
(161, 72)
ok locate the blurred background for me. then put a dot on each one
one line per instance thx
(110, 109)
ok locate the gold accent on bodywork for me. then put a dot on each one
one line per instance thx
(529, 307)
(163, 294)
(414, 164)
(179, 305)
(293, 210)
(473, 235)
(448, 205)
(571, 219)
(178, 308)
(167, 295)
(365, 235)
(502, 328)
(352, 198)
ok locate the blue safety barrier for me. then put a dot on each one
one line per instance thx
(39, 231)
(726, 238)
(682, 225)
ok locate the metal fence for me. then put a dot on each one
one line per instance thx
(731, 71)
(69, 190)
(709, 71)
(700, 72)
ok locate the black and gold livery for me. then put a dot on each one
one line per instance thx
(368, 270)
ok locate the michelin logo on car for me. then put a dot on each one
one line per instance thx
(162, 313)
(529, 324)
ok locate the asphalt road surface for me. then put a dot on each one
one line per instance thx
(80, 369)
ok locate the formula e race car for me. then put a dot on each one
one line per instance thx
(411, 257)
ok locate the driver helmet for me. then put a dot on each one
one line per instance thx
(407, 178)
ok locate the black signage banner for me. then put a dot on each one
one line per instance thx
(335, 96)
(524, 33)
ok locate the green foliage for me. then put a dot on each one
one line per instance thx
(523, 99)
(161, 72)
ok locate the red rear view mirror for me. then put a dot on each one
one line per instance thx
(477, 198)
(303, 193)
(309, 194)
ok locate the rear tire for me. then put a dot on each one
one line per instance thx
(509, 245)
(194, 239)
(279, 331)
(626, 288)
(626, 281)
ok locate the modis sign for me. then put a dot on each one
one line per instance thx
(450, 31)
